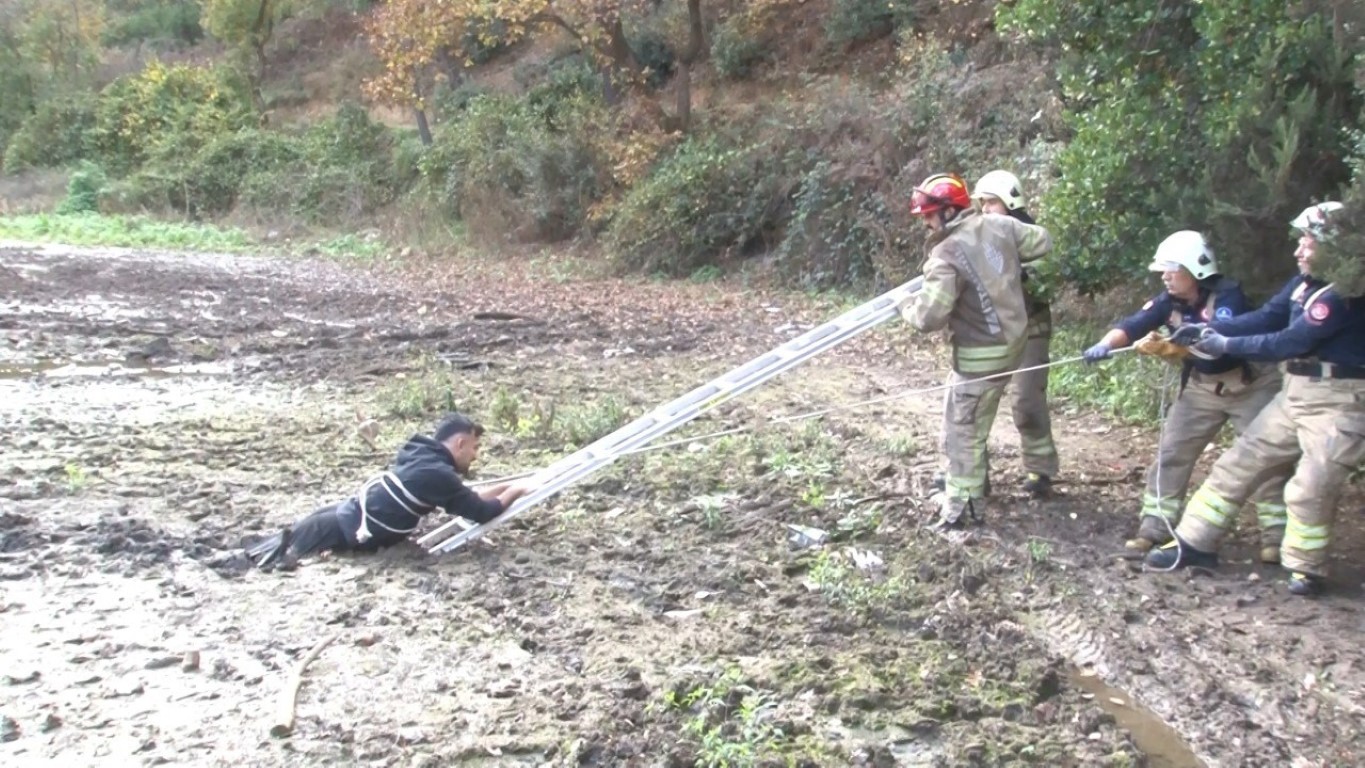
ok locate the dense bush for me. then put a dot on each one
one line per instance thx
(334, 171)
(710, 199)
(1341, 258)
(163, 23)
(853, 21)
(168, 112)
(527, 167)
(83, 190)
(57, 133)
(737, 47)
(1183, 118)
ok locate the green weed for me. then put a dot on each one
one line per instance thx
(713, 507)
(76, 478)
(842, 583)
(351, 246)
(416, 396)
(1127, 387)
(728, 721)
(122, 231)
(1039, 551)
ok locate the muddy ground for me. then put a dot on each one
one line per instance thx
(161, 410)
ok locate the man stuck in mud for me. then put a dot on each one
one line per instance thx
(425, 476)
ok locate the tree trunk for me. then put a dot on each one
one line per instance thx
(684, 94)
(696, 48)
(423, 128)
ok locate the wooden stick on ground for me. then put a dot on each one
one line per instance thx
(284, 712)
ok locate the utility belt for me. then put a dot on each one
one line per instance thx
(394, 487)
(1319, 370)
(1229, 382)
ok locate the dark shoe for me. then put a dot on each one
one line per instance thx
(955, 513)
(268, 553)
(1178, 554)
(1152, 532)
(1270, 544)
(1306, 584)
(1038, 486)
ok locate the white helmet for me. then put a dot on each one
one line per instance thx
(1001, 184)
(1187, 249)
(1313, 220)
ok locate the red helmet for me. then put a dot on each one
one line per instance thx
(942, 190)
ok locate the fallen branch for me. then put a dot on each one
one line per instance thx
(284, 713)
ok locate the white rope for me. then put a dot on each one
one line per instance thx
(814, 414)
(1160, 438)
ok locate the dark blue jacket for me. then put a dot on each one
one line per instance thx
(1306, 319)
(1228, 301)
(426, 480)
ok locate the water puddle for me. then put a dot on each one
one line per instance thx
(1159, 742)
(53, 369)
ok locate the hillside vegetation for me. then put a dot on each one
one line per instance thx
(682, 137)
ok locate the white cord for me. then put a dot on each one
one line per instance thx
(811, 415)
(1161, 436)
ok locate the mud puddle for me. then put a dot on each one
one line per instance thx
(1160, 743)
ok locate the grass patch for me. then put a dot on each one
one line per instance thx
(844, 584)
(421, 395)
(728, 721)
(350, 246)
(543, 420)
(124, 231)
(1127, 387)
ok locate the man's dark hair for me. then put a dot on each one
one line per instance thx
(457, 424)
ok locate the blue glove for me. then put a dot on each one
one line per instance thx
(1097, 353)
(1188, 334)
(1211, 343)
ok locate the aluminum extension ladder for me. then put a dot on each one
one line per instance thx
(669, 417)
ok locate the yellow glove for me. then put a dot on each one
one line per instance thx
(1156, 345)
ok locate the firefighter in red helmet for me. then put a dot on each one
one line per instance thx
(973, 287)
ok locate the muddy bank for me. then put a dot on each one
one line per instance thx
(165, 409)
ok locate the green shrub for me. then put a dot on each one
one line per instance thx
(167, 111)
(654, 55)
(57, 133)
(1341, 257)
(854, 21)
(337, 169)
(1223, 116)
(163, 23)
(835, 228)
(711, 198)
(527, 167)
(84, 189)
(343, 167)
(211, 180)
(736, 47)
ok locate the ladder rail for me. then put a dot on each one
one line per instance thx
(668, 417)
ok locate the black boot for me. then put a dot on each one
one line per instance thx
(268, 553)
(1178, 554)
(1306, 584)
(1038, 486)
